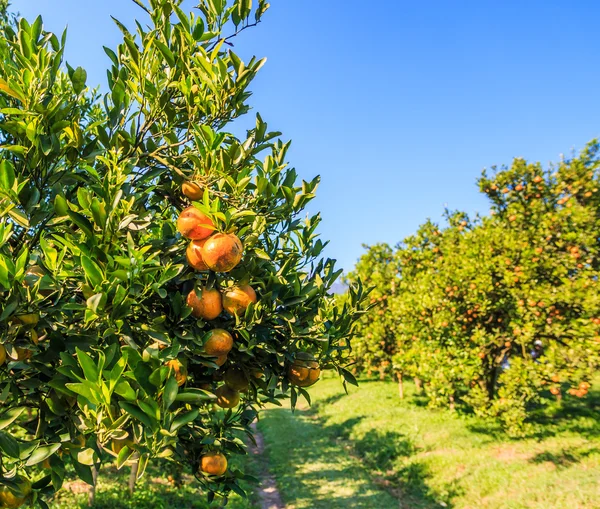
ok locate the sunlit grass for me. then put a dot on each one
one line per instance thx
(362, 449)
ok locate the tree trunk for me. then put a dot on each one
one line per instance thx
(400, 385)
(451, 402)
(418, 385)
(491, 385)
(92, 492)
(381, 373)
(133, 477)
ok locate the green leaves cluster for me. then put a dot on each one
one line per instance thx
(93, 276)
(500, 314)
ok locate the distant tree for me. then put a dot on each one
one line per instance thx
(502, 313)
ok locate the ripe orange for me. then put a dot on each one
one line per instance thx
(194, 224)
(219, 343)
(213, 463)
(220, 360)
(179, 369)
(237, 299)
(193, 253)
(192, 190)
(555, 391)
(222, 252)
(227, 397)
(304, 371)
(236, 379)
(208, 306)
(12, 499)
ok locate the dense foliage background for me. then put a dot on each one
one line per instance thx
(498, 314)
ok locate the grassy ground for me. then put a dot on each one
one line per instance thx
(370, 450)
(153, 491)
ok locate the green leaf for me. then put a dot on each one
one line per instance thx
(10, 416)
(90, 371)
(84, 472)
(9, 445)
(78, 79)
(7, 175)
(124, 454)
(41, 453)
(137, 413)
(92, 271)
(183, 419)
(171, 390)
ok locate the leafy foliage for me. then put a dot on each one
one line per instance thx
(494, 312)
(93, 278)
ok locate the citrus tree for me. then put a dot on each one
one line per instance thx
(500, 314)
(158, 283)
(377, 344)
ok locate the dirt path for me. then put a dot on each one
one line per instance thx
(267, 490)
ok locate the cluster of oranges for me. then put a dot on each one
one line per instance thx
(210, 250)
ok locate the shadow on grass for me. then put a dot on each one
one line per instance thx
(566, 457)
(339, 483)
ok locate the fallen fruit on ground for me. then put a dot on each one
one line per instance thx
(222, 252)
(236, 379)
(227, 397)
(304, 371)
(192, 190)
(195, 225)
(213, 463)
(179, 369)
(218, 342)
(208, 306)
(238, 298)
(193, 253)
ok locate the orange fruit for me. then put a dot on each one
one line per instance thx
(23, 353)
(221, 359)
(237, 299)
(219, 342)
(222, 252)
(555, 391)
(193, 253)
(194, 224)
(213, 463)
(304, 371)
(192, 190)
(180, 371)
(236, 379)
(208, 306)
(227, 397)
(12, 499)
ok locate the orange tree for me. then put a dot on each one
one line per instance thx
(501, 314)
(157, 283)
(377, 331)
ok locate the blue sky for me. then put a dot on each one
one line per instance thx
(398, 105)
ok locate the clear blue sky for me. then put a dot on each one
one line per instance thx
(398, 105)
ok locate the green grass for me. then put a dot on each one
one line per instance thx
(371, 450)
(153, 491)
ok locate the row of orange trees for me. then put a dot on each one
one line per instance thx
(113, 346)
(495, 313)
